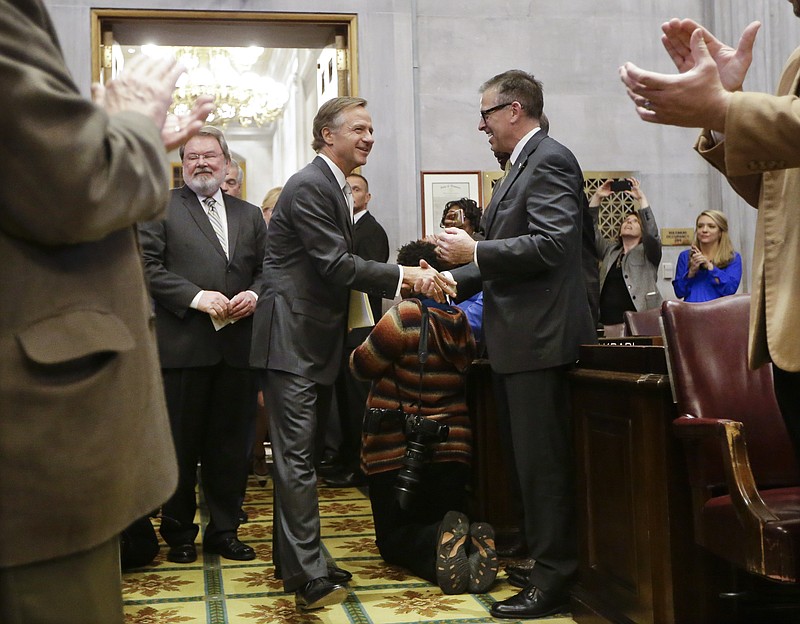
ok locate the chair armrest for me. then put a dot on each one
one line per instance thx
(730, 437)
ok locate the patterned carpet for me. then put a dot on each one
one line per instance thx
(218, 591)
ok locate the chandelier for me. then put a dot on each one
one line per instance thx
(242, 95)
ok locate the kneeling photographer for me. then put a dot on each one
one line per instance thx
(417, 441)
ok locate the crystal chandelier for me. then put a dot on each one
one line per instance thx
(242, 95)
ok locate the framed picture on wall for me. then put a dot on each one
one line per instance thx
(440, 187)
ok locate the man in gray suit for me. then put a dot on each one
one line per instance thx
(203, 264)
(299, 333)
(536, 314)
(84, 437)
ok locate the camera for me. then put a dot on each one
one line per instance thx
(617, 186)
(420, 434)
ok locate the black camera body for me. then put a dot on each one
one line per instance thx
(617, 186)
(421, 433)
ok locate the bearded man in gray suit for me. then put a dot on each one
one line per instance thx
(203, 264)
(300, 326)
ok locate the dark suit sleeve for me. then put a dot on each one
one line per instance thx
(326, 246)
(552, 214)
(171, 290)
(260, 228)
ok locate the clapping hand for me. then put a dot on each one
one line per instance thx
(693, 99)
(698, 261)
(732, 64)
(146, 86)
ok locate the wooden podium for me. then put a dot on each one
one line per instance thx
(638, 561)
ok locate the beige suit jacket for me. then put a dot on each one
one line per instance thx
(760, 156)
(85, 445)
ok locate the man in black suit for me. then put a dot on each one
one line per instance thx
(300, 325)
(536, 314)
(203, 263)
(370, 243)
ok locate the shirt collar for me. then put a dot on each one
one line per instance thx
(341, 179)
(521, 144)
(217, 197)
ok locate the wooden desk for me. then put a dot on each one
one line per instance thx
(491, 484)
(638, 561)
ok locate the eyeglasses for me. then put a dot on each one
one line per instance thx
(206, 156)
(485, 113)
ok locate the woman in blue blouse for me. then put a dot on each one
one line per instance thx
(711, 268)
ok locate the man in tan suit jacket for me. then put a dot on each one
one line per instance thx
(85, 445)
(752, 139)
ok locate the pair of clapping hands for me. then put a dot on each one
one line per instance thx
(710, 71)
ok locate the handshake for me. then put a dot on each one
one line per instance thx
(454, 247)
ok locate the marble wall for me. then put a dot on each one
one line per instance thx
(421, 63)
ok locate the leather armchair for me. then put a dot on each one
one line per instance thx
(742, 469)
(644, 323)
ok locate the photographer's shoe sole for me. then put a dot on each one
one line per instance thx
(452, 566)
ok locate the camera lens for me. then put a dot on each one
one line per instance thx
(410, 475)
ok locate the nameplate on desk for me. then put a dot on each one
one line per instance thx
(631, 341)
(618, 355)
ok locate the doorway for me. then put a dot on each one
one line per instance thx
(278, 67)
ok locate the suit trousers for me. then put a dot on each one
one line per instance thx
(535, 422)
(407, 538)
(211, 411)
(298, 410)
(82, 588)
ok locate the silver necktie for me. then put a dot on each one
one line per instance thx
(216, 223)
(348, 195)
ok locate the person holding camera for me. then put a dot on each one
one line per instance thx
(629, 263)
(463, 213)
(417, 441)
(710, 269)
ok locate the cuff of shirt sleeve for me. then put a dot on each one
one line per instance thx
(399, 282)
(196, 301)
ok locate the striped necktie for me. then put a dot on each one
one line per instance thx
(216, 223)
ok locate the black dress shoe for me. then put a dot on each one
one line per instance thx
(334, 574)
(511, 546)
(519, 575)
(183, 553)
(531, 603)
(338, 575)
(231, 548)
(318, 593)
(344, 479)
(518, 578)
